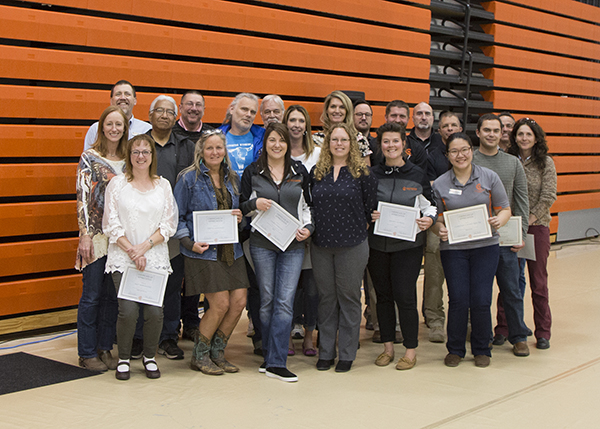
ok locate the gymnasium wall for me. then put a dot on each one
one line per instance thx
(59, 59)
(547, 67)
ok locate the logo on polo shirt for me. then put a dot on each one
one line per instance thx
(478, 188)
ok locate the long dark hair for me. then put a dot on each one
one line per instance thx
(263, 159)
(540, 147)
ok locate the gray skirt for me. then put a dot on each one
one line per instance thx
(202, 276)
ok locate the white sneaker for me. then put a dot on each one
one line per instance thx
(297, 332)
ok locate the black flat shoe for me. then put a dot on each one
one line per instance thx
(324, 364)
(343, 366)
(543, 344)
(122, 375)
(151, 373)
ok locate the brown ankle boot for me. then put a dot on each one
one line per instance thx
(201, 358)
(217, 352)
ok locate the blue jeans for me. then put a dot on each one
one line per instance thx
(97, 312)
(507, 277)
(522, 281)
(306, 303)
(470, 279)
(277, 274)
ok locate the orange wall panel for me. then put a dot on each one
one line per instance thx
(577, 164)
(37, 179)
(566, 203)
(565, 124)
(566, 7)
(38, 218)
(542, 82)
(39, 294)
(579, 182)
(505, 56)
(534, 19)
(505, 100)
(37, 256)
(567, 144)
(41, 140)
(504, 34)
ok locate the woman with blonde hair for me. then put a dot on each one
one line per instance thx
(344, 194)
(337, 108)
(218, 270)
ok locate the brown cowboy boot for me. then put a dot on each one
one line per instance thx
(201, 358)
(217, 352)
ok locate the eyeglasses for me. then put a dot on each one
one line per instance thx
(529, 120)
(360, 115)
(212, 132)
(160, 111)
(340, 140)
(191, 104)
(144, 153)
(454, 152)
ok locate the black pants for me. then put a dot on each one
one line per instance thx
(395, 277)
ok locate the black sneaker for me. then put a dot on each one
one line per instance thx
(324, 364)
(499, 340)
(263, 368)
(282, 374)
(137, 348)
(170, 349)
(343, 366)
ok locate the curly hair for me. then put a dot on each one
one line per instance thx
(540, 147)
(354, 161)
(232, 176)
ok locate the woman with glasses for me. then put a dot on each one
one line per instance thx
(275, 177)
(303, 149)
(218, 270)
(344, 195)
(528, 142)
(139, 217)
(97, 311)
(469, 266)
(337, 108)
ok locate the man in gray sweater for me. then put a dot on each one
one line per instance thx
(513, 178)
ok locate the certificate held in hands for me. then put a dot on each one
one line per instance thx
(397, 221)
(467, 224)
(215, 227)
(277, 225)
(511, 234)
(146, 287)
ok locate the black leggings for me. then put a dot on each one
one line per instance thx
(395, 277)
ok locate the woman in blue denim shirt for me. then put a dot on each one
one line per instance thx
(217, 271)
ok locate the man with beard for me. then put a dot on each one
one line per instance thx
(272, 109)
(190, 123)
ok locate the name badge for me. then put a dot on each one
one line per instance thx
(455, 192)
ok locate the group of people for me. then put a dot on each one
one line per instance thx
(140, 183)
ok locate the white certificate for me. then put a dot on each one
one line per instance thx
(511, 234)
(467, 224)
(277, 225)
(397, 221)
(528, 252)
(146, 287)
(215, 227)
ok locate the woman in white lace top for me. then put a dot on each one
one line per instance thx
(140, 215)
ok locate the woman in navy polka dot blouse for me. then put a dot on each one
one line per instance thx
(344, 195)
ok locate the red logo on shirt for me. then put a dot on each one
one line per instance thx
(408, 151)
(478, 187)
